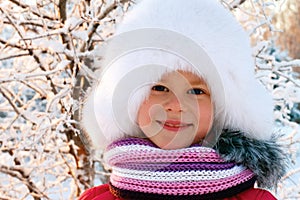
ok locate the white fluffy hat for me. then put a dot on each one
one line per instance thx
(159, 36)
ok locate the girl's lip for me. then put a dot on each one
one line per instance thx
(173, 125)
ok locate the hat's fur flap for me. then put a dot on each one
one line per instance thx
(265, 158)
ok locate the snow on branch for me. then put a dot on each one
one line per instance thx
(45, 47)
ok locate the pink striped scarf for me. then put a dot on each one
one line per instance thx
(140, 170)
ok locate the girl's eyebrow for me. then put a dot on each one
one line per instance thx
(198, 82)
(192, 82)
(161, 82)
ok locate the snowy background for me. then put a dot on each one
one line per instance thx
(46, 51)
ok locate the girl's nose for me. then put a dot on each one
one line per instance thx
(173, 104)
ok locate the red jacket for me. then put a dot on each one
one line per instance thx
(102, 193)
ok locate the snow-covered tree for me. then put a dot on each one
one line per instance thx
(45, 70)
(45, 47)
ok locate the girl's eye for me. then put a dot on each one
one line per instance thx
(196, 91)
(160, 88)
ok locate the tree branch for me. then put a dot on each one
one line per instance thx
(13, 105)
(26, 7)
(62, 10)
(20, 174)
(233, 4)
(102, 16)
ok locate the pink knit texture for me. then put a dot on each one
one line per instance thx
(139, 167)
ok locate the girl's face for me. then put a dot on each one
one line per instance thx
(178, 111)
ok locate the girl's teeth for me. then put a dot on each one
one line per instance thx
(172, 125)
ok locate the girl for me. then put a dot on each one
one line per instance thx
(178, 110)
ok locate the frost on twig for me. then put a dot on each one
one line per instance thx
(232, 4)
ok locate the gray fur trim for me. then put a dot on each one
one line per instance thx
(265, 158)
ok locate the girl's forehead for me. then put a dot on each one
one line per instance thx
(181, 74)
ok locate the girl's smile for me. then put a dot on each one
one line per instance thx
(174, 125)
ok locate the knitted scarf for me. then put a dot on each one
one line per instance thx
(140, 170)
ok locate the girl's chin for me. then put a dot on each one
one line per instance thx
(173, 146)
(177, 143)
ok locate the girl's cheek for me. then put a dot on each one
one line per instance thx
(143, 114)
(204, 111)
(149, 112)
